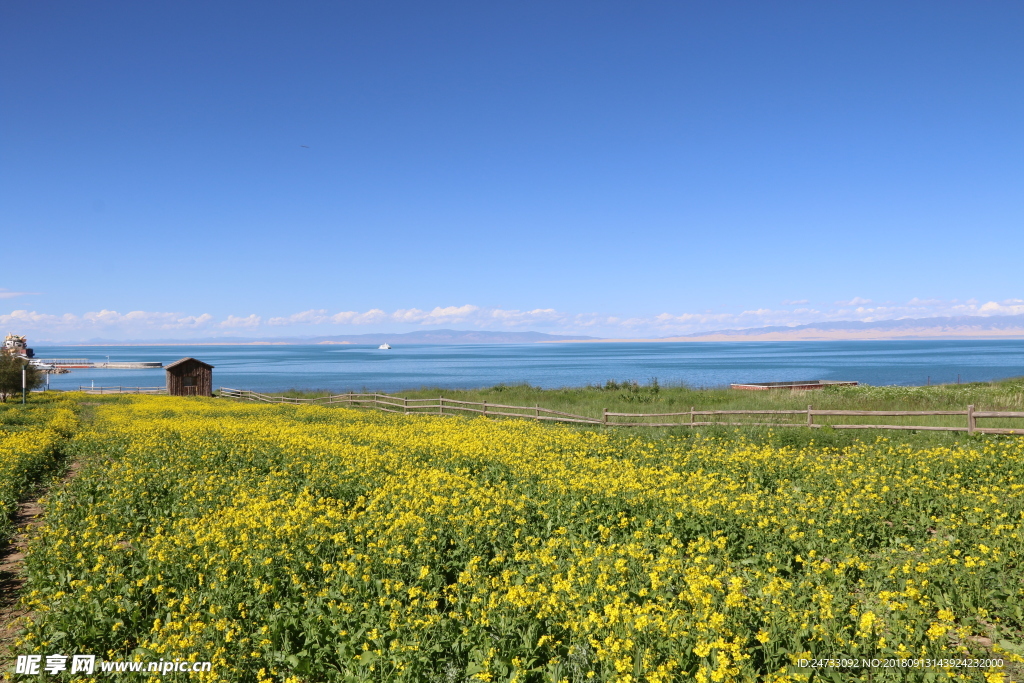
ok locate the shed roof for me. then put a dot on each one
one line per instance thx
(185, 360)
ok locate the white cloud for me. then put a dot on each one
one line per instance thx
(687, 318)
(537, 316)
(1007, 307)
(314, 317)
(105, 319)
(195, 321)
(438, 316)
(374, 315)
(146, 319)
(468, 316)
(248, 321)
(795, 302)
(8, 294)
(32, 318)
(857, 309)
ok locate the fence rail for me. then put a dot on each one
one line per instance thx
(811, 418)
(123, 390)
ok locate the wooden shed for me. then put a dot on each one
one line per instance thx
(189, 377)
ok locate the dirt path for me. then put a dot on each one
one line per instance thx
(27, 520)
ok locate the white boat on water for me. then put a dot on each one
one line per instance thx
(384, 346)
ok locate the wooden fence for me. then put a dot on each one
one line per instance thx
(123, 390)
(810, 417)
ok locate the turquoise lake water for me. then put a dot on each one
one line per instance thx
(354, 367)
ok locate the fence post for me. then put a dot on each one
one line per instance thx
(440, 405)
(536, 411)
(604, 417)
(485, 408)
(691, 415)
(405, 406)
(971, 424)
(810, 416)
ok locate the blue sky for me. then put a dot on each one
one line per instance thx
(618, 169)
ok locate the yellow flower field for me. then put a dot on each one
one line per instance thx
(292, 543)
(29, 446)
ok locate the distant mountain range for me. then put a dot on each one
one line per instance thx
(446, 337)
(956, 327)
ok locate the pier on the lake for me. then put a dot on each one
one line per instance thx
(129, 365)
(86, 364)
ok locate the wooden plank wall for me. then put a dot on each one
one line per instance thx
(176, 380)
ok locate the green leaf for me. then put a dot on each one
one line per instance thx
(1009, 646)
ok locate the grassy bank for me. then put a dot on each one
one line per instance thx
(655, 398)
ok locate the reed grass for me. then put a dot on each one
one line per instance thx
(1007, 395)
(652, 397)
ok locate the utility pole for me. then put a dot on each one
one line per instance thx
(23, 368)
